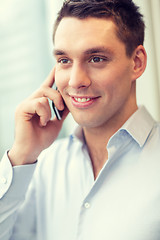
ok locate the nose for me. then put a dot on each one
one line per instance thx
(79, 77)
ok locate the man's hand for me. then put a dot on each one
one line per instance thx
(34, 129)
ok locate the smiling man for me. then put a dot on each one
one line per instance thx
(102, 182)
(96, 79)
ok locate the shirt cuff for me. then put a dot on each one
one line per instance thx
(14, 180)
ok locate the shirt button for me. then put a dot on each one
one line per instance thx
(87, 205)
(3, 180)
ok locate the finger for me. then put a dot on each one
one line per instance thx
(65, 113)
(38, 107)
(58, 101)
(50, 79)
(43, 111)
(55, 122)
(49, 93)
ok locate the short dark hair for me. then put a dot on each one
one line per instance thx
(124, 13)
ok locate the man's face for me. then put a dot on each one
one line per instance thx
(93, 73)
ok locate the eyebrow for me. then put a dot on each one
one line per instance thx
(89, 51)
(98, 50)
(57, 52)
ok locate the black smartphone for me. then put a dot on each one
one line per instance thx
(57, 112)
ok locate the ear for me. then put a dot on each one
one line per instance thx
(139, 62)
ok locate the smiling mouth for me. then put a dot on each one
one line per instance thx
(82, 100)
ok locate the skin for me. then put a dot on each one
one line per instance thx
(91, 64)
(34, 129)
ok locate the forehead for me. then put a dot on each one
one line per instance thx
(73, 34)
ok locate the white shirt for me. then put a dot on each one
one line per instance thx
(64, 202)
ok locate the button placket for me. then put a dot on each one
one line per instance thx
(87, 205)
(3, 180)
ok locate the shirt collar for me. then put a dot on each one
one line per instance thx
(77, 135)
(139, 126)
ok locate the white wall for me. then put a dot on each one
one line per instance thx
(24, 58)
(148, 86)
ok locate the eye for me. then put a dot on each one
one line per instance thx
(96, 59)
(64, 61)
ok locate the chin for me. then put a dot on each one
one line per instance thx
(87, 121)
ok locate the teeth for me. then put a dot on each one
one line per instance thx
(82, 99)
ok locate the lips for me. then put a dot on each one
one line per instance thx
(83, 102)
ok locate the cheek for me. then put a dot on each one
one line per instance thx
(104, 81)
(115, 78)
(61, 79)
(114, 86)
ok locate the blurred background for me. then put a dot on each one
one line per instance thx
(26, 58)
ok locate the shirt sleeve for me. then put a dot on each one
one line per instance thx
(14, 182)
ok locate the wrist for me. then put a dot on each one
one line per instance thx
(17, 157)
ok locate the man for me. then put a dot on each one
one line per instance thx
(103, 181)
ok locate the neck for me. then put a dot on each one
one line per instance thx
(97, 139)
(96, 144)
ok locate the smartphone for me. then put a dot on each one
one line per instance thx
(57, 112)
